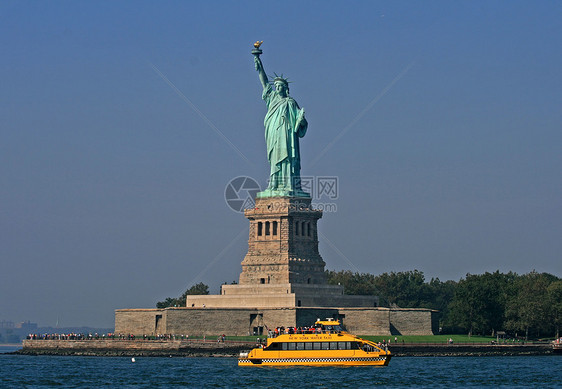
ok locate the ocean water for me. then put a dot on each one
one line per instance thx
(412, 372)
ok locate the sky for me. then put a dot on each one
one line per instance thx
(122, 123)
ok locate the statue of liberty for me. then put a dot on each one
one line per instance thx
(284, 125)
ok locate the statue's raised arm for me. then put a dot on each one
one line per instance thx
(259, 66)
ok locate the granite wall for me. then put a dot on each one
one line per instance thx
(413, 321)
(244, 321)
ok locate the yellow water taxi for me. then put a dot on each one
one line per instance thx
(324, 344)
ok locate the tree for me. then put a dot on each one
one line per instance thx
(554, 292)
(529, 307)
(196, 289)
(199, 288)
(479, 303)
(404, 289)
(169, 302)
(441, 295)
(353, 283)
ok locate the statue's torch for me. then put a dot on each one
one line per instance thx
(257, 51)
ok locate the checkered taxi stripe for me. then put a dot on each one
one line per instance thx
(314, 360)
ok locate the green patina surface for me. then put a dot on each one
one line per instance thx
(284, 124)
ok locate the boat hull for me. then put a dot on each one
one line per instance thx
(381, 360)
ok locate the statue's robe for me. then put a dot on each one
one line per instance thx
(282, 140)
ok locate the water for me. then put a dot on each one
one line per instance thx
(99, 372)
(9, 348)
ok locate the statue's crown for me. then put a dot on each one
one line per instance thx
(281, 79)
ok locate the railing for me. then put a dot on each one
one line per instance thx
(139, 339)
(421, 343)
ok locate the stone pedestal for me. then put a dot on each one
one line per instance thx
(283, 243)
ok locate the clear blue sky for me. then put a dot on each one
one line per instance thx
(112, 184)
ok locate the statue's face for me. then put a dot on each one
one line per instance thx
(282, 89)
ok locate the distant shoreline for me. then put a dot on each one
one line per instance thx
(10, 345)
(131, 348)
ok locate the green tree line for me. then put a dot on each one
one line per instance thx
(527, 305)
(196, 289)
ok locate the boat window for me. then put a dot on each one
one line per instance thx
(325, 346)
(348, 345)
(273, 346)
(354, 345)
(300, 345)
(284, 346)
(333, 345)
(317, 345)
(308, 345)
(341, 346)
(367, 347)
(292, 346)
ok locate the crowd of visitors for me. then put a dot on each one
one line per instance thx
(299, 330)
(108, 336)
(70, 336)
